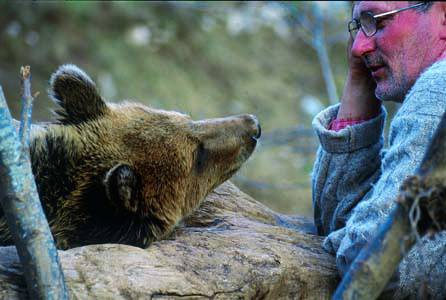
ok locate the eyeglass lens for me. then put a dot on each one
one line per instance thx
(366, 22)
(353, 28)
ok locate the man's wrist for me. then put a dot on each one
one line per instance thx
(358, 98)
(339, 124)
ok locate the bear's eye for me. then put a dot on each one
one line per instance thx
(201, 157)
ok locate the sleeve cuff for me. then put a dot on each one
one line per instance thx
(350, 138)
(333, 240)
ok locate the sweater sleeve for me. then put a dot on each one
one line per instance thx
(410, 133)
(347, 164)
(406, 150)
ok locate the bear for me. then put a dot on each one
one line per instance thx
(125, 172)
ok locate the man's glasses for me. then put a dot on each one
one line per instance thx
(368, 22)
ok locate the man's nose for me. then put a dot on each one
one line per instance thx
(363, 44)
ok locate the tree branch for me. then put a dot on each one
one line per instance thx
(27, 106)
(322, 54)
(21, 205)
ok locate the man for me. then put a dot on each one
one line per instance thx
(397, 53)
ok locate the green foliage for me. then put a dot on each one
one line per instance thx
(186, 56)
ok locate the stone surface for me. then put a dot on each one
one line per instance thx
(233, 247)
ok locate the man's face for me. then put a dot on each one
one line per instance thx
(404, 45)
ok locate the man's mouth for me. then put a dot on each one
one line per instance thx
(376, 70)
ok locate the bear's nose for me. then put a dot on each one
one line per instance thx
(255, 126)
(258, 129)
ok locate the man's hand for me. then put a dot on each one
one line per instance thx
(358, 100)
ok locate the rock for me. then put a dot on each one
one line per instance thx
(233, 247)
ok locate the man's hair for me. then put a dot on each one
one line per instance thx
(423, 8)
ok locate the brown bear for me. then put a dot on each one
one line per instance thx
(126, 173)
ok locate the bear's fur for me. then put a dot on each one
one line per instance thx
(126, 173)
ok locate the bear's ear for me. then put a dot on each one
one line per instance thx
(120, 187)
(76, 93)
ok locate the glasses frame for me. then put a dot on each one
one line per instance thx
(355, 24)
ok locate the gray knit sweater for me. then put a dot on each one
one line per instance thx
(355, 181)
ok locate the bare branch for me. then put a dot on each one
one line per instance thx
(22, 208)
(300, 17)
(322, 54)
(27, 104)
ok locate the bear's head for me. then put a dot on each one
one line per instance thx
(128, 163)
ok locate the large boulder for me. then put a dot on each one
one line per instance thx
(232, 247)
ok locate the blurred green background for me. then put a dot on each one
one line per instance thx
(206, 59)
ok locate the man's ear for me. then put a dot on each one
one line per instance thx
(120, 186)
(440, 6)
(76, 93)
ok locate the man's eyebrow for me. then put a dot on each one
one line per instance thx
(373, 10)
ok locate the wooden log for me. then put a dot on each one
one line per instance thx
(232, 247)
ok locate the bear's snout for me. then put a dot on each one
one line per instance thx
(256, 130)
(251, 125)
